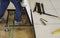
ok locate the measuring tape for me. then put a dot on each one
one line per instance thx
(56, 32)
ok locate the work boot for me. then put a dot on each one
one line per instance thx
(22, 22)
(19, 23)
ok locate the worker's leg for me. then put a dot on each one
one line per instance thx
(18, 7)
(3, 6)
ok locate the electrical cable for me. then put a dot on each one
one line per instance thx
(11, 33)
(53, 7)
(12, 29)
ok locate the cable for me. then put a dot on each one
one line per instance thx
(53, 6)
(11, 33)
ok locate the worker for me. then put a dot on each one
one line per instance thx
(4, 4)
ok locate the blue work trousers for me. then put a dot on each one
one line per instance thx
(4, 4)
